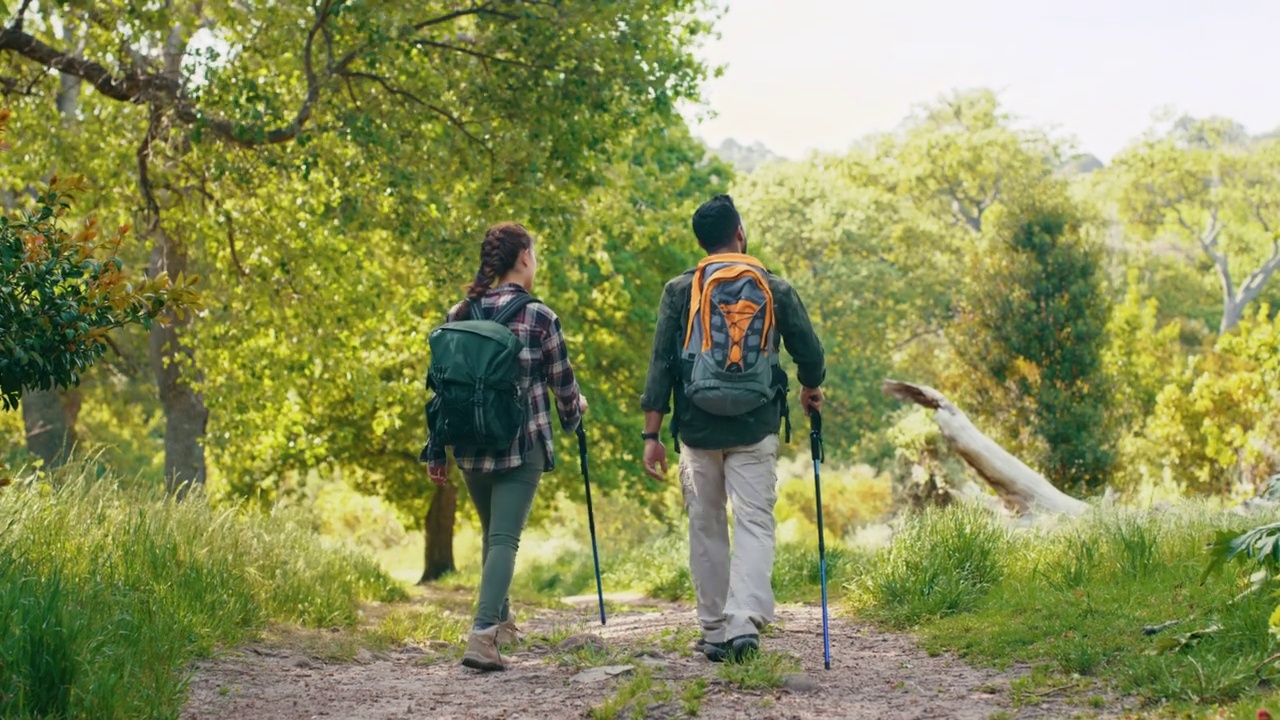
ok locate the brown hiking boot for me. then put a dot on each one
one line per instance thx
(508, 633)
(482, 651)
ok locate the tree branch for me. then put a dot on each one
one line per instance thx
(132, 88)
(990, 199)
(453, 119)
(137, 87)
(484, 9)
(246, 137)
(958, 207)
(483, 55)
(1177, 212)
(1266, 227)
(241, 272)
(22, 15)
(144, 170)
(916, 336)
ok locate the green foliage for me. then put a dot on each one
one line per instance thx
(1034, 327)
(332, 166)
(60, 294)
(1142, 357)
(1202, 185)
(1078, 596)
(340, 512)
(852, 497)
(961, 161)
(1215, 430)
(107, 593)
(941, 562)
(1259, 546)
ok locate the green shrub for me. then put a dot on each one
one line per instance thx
(942, 561)
(107, 593)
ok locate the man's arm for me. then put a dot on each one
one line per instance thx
(656, 400)
(802, 344)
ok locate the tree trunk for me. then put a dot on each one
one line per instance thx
(439, 533)
(173, 362)
(1232, 312)
(50, 426)
(68, 100)
(175, 370)
(1022, 489)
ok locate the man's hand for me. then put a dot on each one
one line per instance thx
(439, 474)
(655, 459)
(582, 404)
(811, 399)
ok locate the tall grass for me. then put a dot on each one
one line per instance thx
(1077, 597)
(107, 593)
(941, 562)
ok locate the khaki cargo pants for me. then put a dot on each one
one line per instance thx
(734, 591)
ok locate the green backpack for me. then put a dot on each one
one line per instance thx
(477, 401)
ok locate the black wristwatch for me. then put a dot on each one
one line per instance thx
(649, 436)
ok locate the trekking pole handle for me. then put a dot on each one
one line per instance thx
(815, 435)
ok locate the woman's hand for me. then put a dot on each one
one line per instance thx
(439, 474)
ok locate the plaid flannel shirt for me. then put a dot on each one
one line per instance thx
(547, 372)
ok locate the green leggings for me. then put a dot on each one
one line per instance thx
(502, 500)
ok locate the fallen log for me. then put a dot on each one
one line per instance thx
(1022, 489)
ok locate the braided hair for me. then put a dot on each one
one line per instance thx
(499, 253)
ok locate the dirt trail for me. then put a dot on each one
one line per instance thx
(875, 674)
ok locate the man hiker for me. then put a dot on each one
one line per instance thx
(716, 350)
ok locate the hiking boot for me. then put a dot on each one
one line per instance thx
(714, 651)
(508, 632)
(744, 647)
(482, 651)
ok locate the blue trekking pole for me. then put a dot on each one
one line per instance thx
(591, 516)
(815, 445)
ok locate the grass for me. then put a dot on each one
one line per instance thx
(766, 670)
(590, 656)
(642, 692)
(677, 641)
(1075, 599)
(107, 593)
(632, 697)
(940, 563)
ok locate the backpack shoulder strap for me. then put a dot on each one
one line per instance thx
(514, 306)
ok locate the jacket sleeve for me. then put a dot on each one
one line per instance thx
(560, 378)
(798, 336)
(657, 384)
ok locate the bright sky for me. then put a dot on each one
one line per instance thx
(818, 74)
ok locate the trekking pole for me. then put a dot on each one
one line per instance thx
(815, 445)
(591, 516)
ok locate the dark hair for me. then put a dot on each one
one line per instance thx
(716, 222)
(499, 252)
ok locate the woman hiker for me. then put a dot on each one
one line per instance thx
(503, 483)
